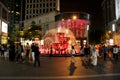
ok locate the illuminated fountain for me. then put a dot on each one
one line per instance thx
(60, 40)
(70, 30)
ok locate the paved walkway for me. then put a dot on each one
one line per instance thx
(60, 68)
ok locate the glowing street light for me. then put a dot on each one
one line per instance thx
(74, 17)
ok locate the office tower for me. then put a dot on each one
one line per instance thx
(35, 8)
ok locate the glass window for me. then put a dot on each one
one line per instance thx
(40, 5)
(43, 5)
(43, 10)
(47, 4)
(47, 10)
(37, 11)
(33, 5)
(37, 5)
(30, 11)
(50, 9)
(27, 6)
(50, 4)
(40, 10)
(27, 11)
(30, 6)
(26, 17)
(33, 11)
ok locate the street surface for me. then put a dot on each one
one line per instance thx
(60, 68)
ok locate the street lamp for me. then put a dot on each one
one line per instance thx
(74, 17)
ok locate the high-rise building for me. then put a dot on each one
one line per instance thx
(111, 10)
(16, 15)
(34, 8)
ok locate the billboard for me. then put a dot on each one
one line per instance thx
(4, 27)
(0, 26)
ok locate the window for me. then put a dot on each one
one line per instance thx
(40, 10)
(37, 5)
(30, 11)
(33, 11)
(37, 11)
(33, 5)
(47, 10)
(27, 11)
(40, 5)
(27, 6)
(47, 4)
(30, 6)
(30, 16)
(26, 17)
(50, 4)
(43, 5)
(50, 9)
(43, 10)
(4, 15)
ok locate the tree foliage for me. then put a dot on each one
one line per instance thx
(32, 31)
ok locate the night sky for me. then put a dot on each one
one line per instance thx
(94, 8)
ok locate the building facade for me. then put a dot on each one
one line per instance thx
(46, 21)
(111, 13)
(35, 8)
(3, 24)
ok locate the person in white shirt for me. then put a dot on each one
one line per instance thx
(115, 52)
(94, 56)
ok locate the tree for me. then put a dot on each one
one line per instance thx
(32, 31)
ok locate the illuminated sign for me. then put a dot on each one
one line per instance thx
(4, 27)
(0, 26)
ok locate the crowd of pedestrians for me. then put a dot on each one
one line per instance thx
(20, 54)
(92, 52)
(31, 53)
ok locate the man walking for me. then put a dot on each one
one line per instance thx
(36, 55)
(115, 53)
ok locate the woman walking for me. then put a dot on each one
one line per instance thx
(94, 55)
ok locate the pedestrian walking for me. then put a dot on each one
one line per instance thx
(115, 52)
(19, 53)
(73, 54)
(94, 56)
(2, 50)
(33, 51)
(12, 51)
(51, 52)
(105, 52)
(36, 55)
(27, 52)
(6, 52)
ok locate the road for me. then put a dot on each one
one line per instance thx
(60, 68)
